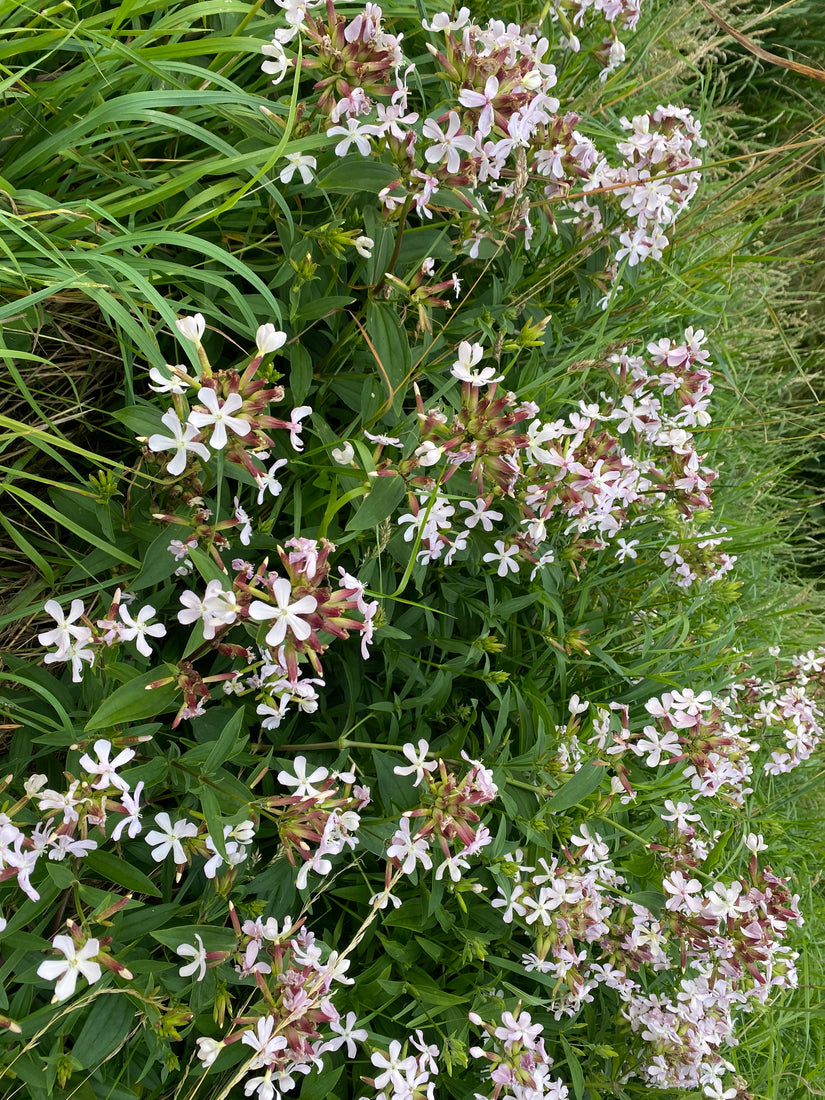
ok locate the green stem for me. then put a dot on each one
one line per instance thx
(341, 744)
(402, 220)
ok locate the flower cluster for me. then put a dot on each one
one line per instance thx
(448, 815)
(518, 1064)
(403, 1075)
(229, 410)
(606, 466)
(497, 140)
(587, 935)
(77, 638)
(298, 979)
(315, 823)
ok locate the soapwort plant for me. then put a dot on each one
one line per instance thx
(359, 768)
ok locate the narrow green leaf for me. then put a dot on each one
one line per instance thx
(225, 744)
(212, 812)
(348, 175)
(119, 871)
(574, 1065)
(135, 700)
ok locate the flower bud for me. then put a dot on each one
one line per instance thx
(208, 1050)
(191, 328)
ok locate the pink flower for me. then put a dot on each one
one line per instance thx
(521, 1030)
(467, 97)
(409, 849)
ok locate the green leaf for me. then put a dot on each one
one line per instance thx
(395, 790)
(134, 700)
(212, 812)
(384, 496)
(583, 783)
(106, 1027)
(300, 373)
(209, 568)
(158, 563)
(117, 870)
(319, 1085)
(61, 875)
(574, 1065)
(391, 351)
(141, 419)
(322, 307)
(227, 743)
(348, 175)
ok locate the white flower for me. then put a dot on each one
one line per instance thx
(446, 143)
(192, 328)
(296, 427)
(409, 849)
(300, 163)
(198, 956)
(302, 782)
(245, 533)
(268, 338)
(208, 1050)
(384, 440)
(364, 246)
(504, 556)
(756, 843)
(468, 97)
(137, 629)
(169, 839)
(418, 765)
(286, 614)
(264, 1043)
(269, 481)
(220, 414)
(181, 442)
(480, 513)
(105, 769)
(443, 22)
(131, 803)
(35, 783)
(279, 64)
(468, 356)
(75, 653)
(626, 549)
(344, 454)
(66, 970)
(217, 608)
(428, 453)
(163, 384)
(63, 634)
(354, 134)
(346, 1032)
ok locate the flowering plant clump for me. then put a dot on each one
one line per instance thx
(309, 805)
